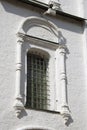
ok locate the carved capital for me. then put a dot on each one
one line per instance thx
(63, 76)
(18, 66)
(20, 38)
(62, 49)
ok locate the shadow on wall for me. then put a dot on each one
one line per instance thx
(14, 7)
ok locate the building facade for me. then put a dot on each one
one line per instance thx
(43, 65)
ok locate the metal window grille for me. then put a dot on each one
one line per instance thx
(37, 82)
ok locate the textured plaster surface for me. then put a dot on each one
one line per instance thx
(12, 15)
(85, 8)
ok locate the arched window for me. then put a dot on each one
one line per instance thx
(37, 81)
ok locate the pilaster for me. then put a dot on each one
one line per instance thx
(18, 104)
(63, 84)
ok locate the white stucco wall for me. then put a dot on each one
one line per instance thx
(85, 8)
(11, 16)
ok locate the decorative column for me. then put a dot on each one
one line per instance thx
(57, 77)
(63, 84)
(18, 104)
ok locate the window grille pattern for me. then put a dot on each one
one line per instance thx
(37, 82)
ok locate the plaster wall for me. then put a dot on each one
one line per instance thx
(85, 8)
(12, 14)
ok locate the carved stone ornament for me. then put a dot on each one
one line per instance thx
(18, 106)
(65, 114)
(55, 4)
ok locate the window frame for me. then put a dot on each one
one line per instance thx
(60, 102)
(48, 51)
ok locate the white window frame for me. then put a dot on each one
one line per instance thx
(41, 48)
(24, 43)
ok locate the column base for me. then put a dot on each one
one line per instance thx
(65, 114)
(18, 106)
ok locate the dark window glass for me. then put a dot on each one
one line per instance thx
(37, 81)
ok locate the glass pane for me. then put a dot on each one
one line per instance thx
(37, 81)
